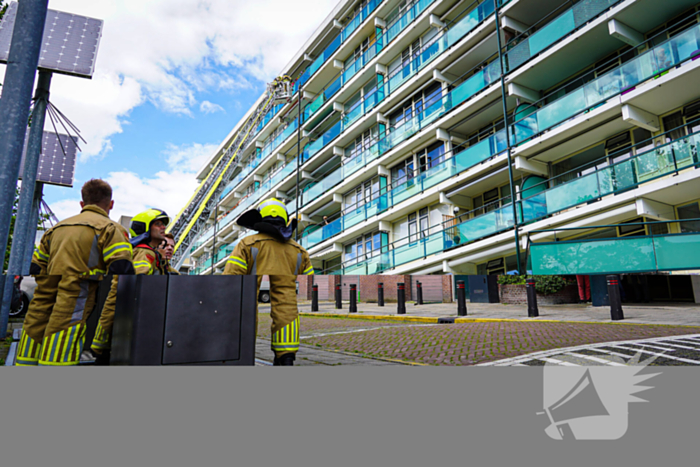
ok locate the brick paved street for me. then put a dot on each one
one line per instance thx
(461, 343)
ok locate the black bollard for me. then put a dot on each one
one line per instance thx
(338, 297)
(401, 296)
(419, 293)
(380, 294)
(353, 298)
(532, 310)
(461, 299)
(314, 298)
(615, 299)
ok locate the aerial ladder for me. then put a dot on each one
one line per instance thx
(192, 219)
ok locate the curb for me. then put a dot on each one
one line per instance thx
(457, 320)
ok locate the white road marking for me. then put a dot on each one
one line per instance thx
(595, 359)
(557, 362)
(680, 359)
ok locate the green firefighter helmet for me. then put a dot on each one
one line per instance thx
(141, 222)
(273, 208)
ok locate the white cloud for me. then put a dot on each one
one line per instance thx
(167, 190)
(167, 51)
(210, 108)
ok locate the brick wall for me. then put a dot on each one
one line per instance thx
(517, 295)
(305, 287)
(368, 287)
(447, 292)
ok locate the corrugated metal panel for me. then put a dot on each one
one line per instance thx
(323, 287)
(432, 288)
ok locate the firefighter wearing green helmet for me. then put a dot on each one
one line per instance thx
(272, 252)
(147, 232)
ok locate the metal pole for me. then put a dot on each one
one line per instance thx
(532, 310)
(380, 294)
(401, 298)
(29, 246)
(419, 293)
(14, 108)
(22, 237)
(314, 297)
(507, 130)
(24, 219)
(461, 299)
(615, 299)
(298, 216)
(338, 297)
(353, 298)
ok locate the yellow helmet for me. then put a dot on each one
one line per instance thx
(141, 222)
(273, 208)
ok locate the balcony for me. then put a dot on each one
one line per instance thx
(349, 71)
(665, 160)
(648, 253)
(407, 189)
(470, 157)
(331, 48)
(647, 66)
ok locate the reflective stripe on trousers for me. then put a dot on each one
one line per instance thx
(63, 348)
(287, 338)
(28, 352)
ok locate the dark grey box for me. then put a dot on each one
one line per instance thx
(483, 289)
(184, 320)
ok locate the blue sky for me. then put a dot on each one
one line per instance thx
(172, 78)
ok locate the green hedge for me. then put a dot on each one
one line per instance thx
(545, 285)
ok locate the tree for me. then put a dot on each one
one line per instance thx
(3, 8)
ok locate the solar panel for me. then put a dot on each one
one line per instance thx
(69, 45)
(55, 168)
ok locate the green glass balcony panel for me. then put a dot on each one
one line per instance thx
(470, 21)
(356, 269)
(405, 190)
(573, 193)
(354, 114)
(314, 106)
(439, 173)
(484, 225)
(477, 153)
(407, 252)
(677, 252)
(647, 66)
(532, 208)
(601, 256)
(434, 243)
(354, 216)
(552, 32)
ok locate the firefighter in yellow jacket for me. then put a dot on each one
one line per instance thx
(71, 259)
(272, 252)
(148, 231)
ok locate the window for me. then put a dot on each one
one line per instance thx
(362, 194)
(431, 156)
(689, 211)
(412, 228)
(424, 222)
(402, 172)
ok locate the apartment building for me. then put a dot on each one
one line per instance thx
(460, 137)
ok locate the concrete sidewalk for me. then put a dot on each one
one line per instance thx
(677, 314)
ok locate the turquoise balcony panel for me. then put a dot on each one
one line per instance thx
(617, 255)
(625, 175)
(400, 24)
(470, 21)
(484, 225)
(362, 15)
(548, 35)
(642, 68)
(677, 252)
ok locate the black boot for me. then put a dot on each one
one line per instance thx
(102, 359)
(285, 360)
